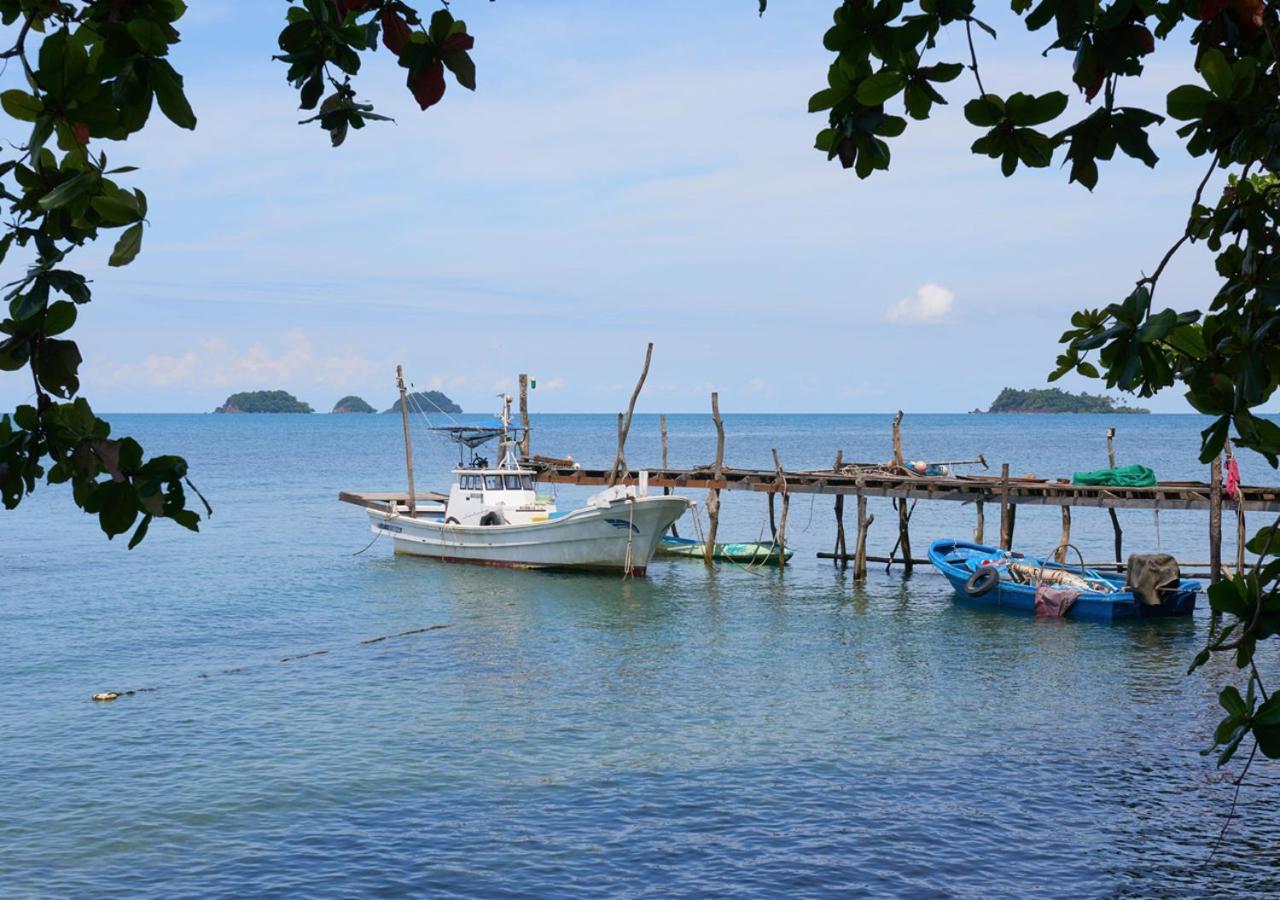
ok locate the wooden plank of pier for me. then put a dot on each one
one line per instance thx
(1170, 495)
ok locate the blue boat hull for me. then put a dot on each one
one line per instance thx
(951, 558)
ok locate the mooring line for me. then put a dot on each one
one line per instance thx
(108, 696)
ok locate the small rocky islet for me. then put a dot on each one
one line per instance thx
(284, 402)
(1056, 400)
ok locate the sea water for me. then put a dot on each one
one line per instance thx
(693, 732)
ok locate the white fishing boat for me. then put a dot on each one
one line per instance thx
(494, 516)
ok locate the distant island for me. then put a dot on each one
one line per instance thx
(264, 402)
(353, 404)
(429, 402)
(1055, 400)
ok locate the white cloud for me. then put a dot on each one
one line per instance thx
(931, 304)
(218, 364)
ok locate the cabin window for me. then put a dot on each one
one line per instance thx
(493, 482)
(470, 483)
(513, 482)
(526, 482)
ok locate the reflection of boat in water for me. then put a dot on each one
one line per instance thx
(759, 553)
(993, 577)
(493, 515)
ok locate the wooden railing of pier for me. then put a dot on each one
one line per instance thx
(1195, 495)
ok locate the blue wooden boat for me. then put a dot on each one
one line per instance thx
(989, 576)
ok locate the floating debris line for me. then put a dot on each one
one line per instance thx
(109, 696)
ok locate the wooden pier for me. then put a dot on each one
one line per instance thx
(907, 483)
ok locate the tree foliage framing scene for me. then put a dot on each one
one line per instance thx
(82, 77)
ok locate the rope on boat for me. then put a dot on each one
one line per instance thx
(631, 530)
(376, 535)
(108, 696)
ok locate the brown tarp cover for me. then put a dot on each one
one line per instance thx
(1150, 573)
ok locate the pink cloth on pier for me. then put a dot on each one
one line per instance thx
(1233, 478)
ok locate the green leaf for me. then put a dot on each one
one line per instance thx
(127, 246)
(140, 532)
(824, 99)
(20, 105)
(1216, 72)
(1024, 109)
(459, 62)
(1227, 597)
(985, 111)
(117, 510)
(1232, 702)
(880, 87)
(167, 85)
(57, 367)
(942, 71)
(1188, 101)
(60, 317)
(66, 192)
(1158, 326)
(116, 210)
(1268, 713)
(149, 36)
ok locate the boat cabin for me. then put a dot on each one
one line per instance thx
(503, 496)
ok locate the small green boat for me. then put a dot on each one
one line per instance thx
(752, 553)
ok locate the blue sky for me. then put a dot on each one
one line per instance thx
(625, 173)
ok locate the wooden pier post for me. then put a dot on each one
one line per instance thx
(1111, 510)
(980, 527)
(1241, 539)
(1215, 520)
(662, 423)
(408, 443)
(619, 470)
(904, 515)
(786, 506)
(1061, 555)
(841, 549)
(904, 535)
(897, 440)
(717, 472)
(524, 415)
(860, 544)
(1006, 510)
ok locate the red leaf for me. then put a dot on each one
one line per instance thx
(459, 41)
(1210, 8)
(395, 31)
(428, 87)
(1248, 13)
(81, 131)
(1143, 39)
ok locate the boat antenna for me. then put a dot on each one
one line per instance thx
(408, 443)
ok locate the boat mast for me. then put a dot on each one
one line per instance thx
(408, 444)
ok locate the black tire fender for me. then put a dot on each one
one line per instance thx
(452, 521)
(982, 581)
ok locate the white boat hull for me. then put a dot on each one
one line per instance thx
(619, 536)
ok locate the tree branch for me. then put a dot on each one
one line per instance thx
(973, 55)
(1186, 234)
